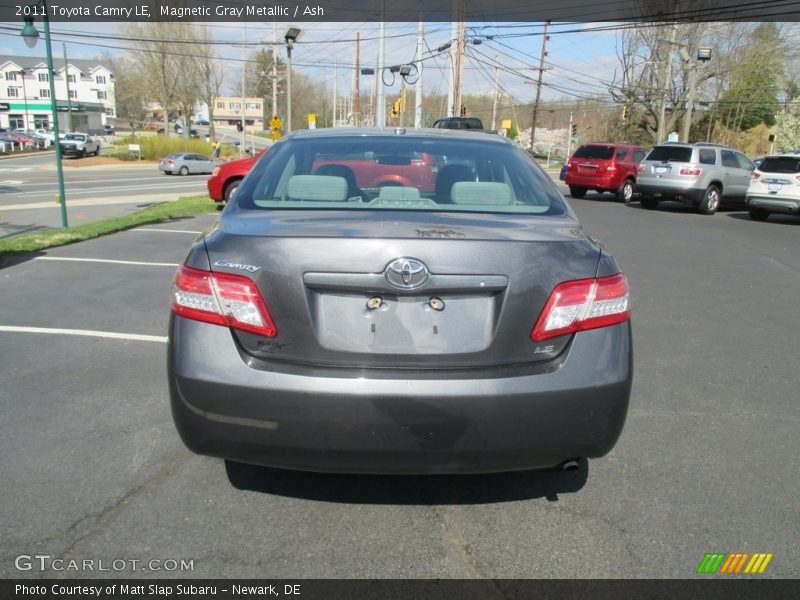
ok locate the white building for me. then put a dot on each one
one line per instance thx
(25, 94)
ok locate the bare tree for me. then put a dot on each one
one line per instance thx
(210, 76)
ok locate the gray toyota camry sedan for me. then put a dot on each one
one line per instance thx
(399, 301)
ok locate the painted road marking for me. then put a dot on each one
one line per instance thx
(167, 230)
(105, 260)
(162, 339)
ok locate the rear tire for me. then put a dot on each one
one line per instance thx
(184, 170)
(758, 214)
(649, 202)
(626, 191)
(710, 202)
(577, 192)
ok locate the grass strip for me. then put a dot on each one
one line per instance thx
(164, 211)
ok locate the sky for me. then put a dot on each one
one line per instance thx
(580, 58)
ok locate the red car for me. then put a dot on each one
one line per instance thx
(418, 171)
(604, 168)
(227, 177)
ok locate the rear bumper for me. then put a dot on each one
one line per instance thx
(607, 182)
(352, 423)
(691, 196)
(774, 204)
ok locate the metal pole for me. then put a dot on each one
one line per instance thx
(380, 108)
(494, 94)
(54, 111)
(451, 90)
(569, 138)
(288, 86)
(26, 122)
(274, 70)
(66, 79)
(243, 141)
(335, 99)
(687, 120)
(418, 87)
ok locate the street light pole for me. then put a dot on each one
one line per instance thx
(290, 36)
(27, 120)
(31, 36)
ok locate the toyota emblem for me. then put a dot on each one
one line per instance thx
(406, 273)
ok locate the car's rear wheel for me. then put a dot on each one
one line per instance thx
(710, 202)
(577, 192)
(230, 188)
(648, 202)
(758, 214)
(626, 191)
(184, 170)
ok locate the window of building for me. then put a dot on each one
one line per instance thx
(11, 75)
(253, 106)
(110, 112)
(101, 95)
(41, 122)
(12, 92)
(220, 105)
(43, 77)
(73, 94)
(16, 122)
(44, 93)
(71, 78)
(100, 79)
(236, 105)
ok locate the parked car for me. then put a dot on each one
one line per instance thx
(201, 122)
(701, 175)
(604, 168)
(79, 144)
(108, 130)
(227, 176)
(775, 187)
(185, 163)
(476, 328)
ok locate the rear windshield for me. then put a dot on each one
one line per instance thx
(394, 173)
(780, 164)
(670, 153)
(599, 152)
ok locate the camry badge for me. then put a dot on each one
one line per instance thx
(406, 273)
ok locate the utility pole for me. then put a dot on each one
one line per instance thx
(335, 97)
(418, 88)
(357, 90)
(451, 89)
(274, 70)
(69, 100)
(457, 101)
(380, 103)
(545, 39)
(244, 76)
(494, 99)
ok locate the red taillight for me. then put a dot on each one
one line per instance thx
(583, 304)
(221, 299)
(755, 175)
(171, 162)
(691, 171)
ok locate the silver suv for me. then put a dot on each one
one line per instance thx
(700, 175)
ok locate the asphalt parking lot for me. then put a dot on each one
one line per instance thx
(92, 467)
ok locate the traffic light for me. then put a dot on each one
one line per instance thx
(396, 108)
(624, 113)
(574, 130)
(238, 126)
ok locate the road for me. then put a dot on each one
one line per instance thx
(29, 188)
(93, 469)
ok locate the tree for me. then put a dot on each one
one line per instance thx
(164, 62)
(210, 76)
(787, 126)
(755, 81)
(129, 95)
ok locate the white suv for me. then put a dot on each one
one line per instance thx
(700, 175)
(775, 187)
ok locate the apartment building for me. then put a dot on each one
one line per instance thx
(228, 111)
(84, 94)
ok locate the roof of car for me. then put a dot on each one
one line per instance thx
(427, 132)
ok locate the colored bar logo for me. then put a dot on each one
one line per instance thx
(733, 563)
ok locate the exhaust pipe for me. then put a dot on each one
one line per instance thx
(571, 465)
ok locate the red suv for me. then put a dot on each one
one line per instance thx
(227, 177)
(604, 168)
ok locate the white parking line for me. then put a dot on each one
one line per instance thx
(105, 260)
(167, 230)
(87, 333)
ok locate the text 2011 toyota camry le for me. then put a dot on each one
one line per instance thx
(399, 301)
